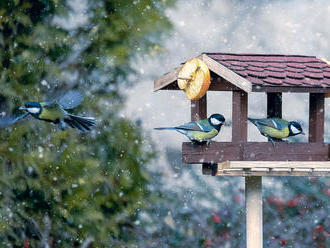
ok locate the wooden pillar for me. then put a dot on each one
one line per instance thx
(253, 186)
(253, 201)
(240, 113)
(253, 189)
(316, 117)
(199, 109)
(274, 105)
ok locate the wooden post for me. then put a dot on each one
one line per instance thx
(253, 189)
(240, 112)
(253, 199)
(253, 186)
(199, 109)
(316, 117)
(274, 105)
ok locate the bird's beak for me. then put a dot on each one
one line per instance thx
(22, 108)
(303, 133)
(227, 123)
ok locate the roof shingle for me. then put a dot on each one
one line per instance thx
(277, 70)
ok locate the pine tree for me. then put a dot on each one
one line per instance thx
(64, 188)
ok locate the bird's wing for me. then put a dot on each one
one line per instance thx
(7, 121)
(50, 104)
(275, 123)
(202, 125)
(71, 99)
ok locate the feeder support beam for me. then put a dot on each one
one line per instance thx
(240, 113)
(253, 198)
(316, 117)
(199, 109)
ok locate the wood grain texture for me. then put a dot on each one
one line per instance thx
(166, 79)
(217, 152)
(316, 117)
(301, 89)
(272, 173)
(227, 74)
(239, 116)
(253, 205)
(274, 164)
(198, 109)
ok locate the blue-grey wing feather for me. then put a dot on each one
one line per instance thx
(7, 121)
(272, 122)
(202, 125)
(71, 99)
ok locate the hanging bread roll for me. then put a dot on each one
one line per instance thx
(194, 78)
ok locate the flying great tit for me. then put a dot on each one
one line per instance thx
(202, 130)
(55, 112)
(276, 128)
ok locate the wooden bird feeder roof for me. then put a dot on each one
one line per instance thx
(260, 73)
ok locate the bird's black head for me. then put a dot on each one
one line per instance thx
(217, 120)
(33, 108)
(295, 128)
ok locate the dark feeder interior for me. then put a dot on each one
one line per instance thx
(272, 74)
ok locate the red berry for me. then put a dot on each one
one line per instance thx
(237, 198)
(208, 243)
(294, 202)
(283, 242)
(216, 219)
(226, 236)
(26, 243)
(319, 228)
(326, 191)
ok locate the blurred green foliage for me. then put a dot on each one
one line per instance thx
(67, 189)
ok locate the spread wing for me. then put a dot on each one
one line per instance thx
(71, 99)
(50, 105)
(202, 126)
(7, 121)
(276, 123)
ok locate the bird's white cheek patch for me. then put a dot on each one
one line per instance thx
(294, 130)
(33, 110)
(215, 121)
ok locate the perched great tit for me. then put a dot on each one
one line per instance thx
(276, 128)
(55, 112)
(200, 131)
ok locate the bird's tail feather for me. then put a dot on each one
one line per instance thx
(252, 120)
(84, 124)
(165, 128)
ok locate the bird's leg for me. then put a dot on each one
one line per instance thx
(270, 139)
(200, 143)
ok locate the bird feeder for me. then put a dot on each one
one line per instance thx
(272, 74)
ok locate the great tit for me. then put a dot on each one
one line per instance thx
(55, 112)
(200, 131)
(276, 128)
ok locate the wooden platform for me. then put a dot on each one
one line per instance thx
(217, 152)
(268, 168)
